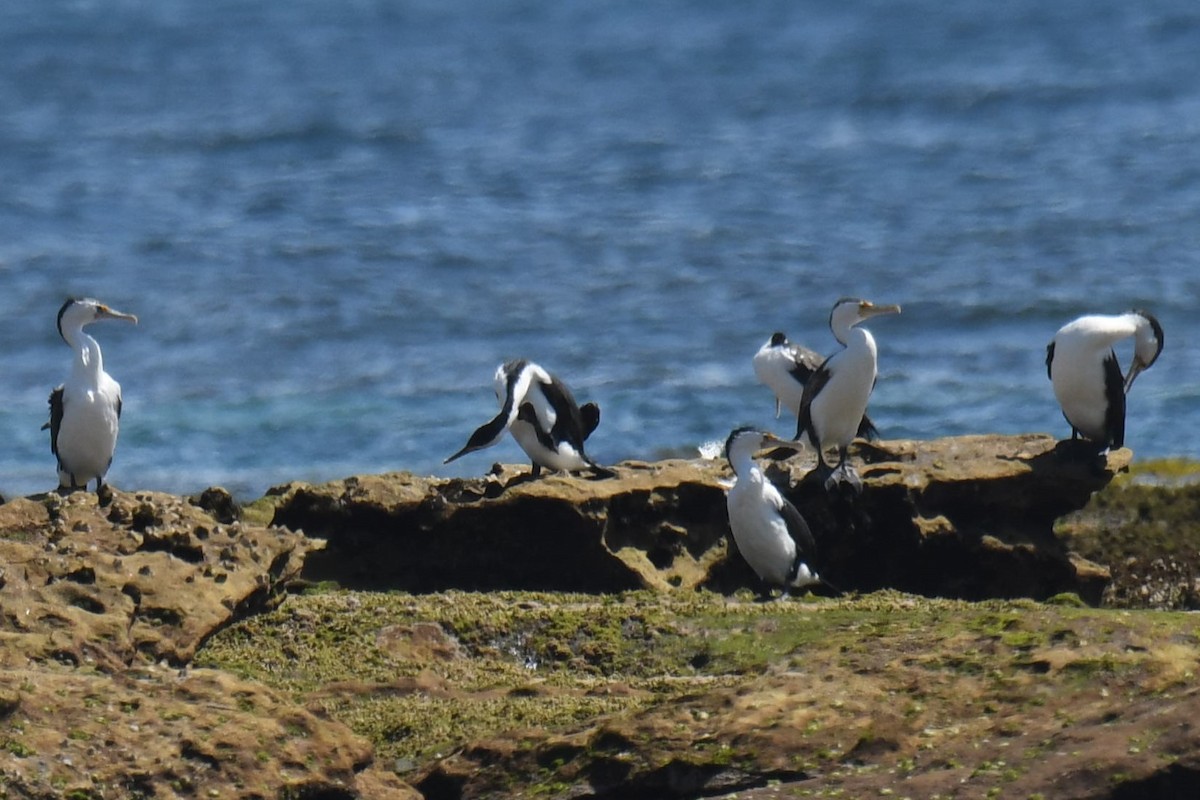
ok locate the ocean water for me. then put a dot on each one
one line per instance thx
(335, 219)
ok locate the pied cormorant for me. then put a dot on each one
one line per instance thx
(835, 397)
(784, 367)
(543, 417)
(1087, 379)
(85, 411)
(768, 530)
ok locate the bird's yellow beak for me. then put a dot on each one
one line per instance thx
(773, 442)
(1136, 368)
(110, 313)
(868, 309)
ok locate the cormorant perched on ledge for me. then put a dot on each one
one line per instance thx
(1087, 379)
(542, 414)
(85, 411)
(835, 397)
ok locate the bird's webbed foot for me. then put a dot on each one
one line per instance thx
(844, 475)
(599, 472)
(1092, 454)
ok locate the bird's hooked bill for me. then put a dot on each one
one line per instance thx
(772, 442)
(112, 313)
(871, 310)
(1135, 369)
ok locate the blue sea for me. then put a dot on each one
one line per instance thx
(335, 219)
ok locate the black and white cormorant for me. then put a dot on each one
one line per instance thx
(835, 396)
(768, 530)
(784, 367)
(1087, 379)
(543, 417)
(85, 411)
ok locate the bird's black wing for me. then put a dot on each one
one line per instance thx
(590, 414)
(804, 361)
(527, 413)
(568, 421)
(806, 545)
(1049, 359)
(866, 428)
(1114, 393)
(56, 415)
(572, 424)
(811, 388)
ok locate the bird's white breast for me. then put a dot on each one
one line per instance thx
(838, 408)
(565, 457)
(87, 435)
(1077, 374)
(758, 528)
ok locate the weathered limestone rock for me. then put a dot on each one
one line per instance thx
(147, 577)
(657, 524)
(101, 609)
(967, 517)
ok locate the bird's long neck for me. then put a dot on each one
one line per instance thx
(88, 359)
(1102, 332)
(858, 339)
(745, 467)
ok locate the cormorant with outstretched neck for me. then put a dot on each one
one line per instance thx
(543, 417)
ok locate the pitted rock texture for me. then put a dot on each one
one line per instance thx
(146, 577)
(967, 517)
(102, 607)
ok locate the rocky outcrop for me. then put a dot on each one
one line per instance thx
(146, 578)
(102, 608)
(104, 605)
(967, 517)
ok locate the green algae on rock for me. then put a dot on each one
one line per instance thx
(539, 694)
(1146, 527)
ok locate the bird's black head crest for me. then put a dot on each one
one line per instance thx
(70, 302)
(778, 338)
(846, 299)
(736, 433)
